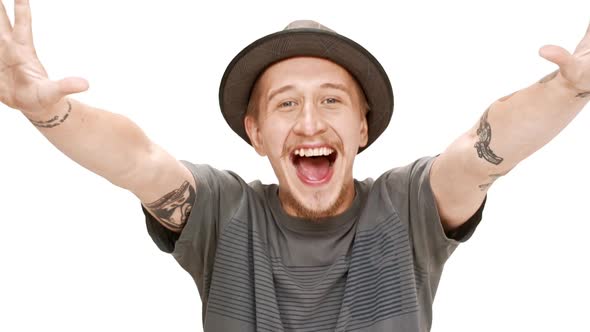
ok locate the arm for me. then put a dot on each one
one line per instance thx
(510, 130)
(115, 148)
(106, 143)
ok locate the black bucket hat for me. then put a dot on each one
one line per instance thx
(305, 38)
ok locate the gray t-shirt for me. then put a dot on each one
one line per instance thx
(376, 267)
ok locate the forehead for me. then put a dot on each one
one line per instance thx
(305, 71)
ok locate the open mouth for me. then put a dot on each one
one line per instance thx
(314, 165)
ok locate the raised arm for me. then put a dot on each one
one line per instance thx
(510, 130)
(105, 143)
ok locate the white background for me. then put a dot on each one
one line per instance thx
(74, 252)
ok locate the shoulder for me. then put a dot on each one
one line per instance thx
(399, 191)
(401, 179)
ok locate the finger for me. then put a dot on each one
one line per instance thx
(23, 30)
(5, 25)
(558, 55)
(71, 85)
(50, 92)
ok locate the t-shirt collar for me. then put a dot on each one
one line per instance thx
(323, 225)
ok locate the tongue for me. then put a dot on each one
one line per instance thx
(314, 169)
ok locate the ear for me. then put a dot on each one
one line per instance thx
(364, 132)
(253, 131)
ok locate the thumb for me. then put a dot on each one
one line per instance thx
(71, 85)
(49, 92)
(556, 54)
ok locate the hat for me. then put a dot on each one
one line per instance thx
(305, 38)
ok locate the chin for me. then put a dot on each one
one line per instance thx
(315, 204)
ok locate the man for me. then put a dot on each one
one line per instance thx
(286, 132)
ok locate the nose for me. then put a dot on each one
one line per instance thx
(310, 121)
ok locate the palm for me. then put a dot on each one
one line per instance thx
(21, 75)
(24, 84)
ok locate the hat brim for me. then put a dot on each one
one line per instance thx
(250, 63)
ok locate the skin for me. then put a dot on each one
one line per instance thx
(509, 131)
(115, 148)
(106, 143)
(317, 103)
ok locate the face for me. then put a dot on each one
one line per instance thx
(310, 124)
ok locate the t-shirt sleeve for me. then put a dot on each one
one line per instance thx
(410, 190)
(218, 196)
(410, 193)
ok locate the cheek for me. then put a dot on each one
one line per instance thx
(274, 135)
(349, 128)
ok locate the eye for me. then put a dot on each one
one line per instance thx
(330, 100)
(287, 104)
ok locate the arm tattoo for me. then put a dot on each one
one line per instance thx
(494, 177)
(549, 77)
(173, 209)
(583, 94)
(485, 137)
(53, 122)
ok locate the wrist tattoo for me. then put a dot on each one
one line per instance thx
(485, 137)
(53, 122)
(553, 75)
(549, 77)
(173, 209)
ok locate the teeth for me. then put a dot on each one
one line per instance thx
(323, 151)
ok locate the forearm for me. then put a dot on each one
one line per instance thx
(516, 126)
(512, 128)
(105, 143)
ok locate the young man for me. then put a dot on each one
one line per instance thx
(320, 251)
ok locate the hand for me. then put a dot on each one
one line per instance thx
(24, 84)
(575, 68)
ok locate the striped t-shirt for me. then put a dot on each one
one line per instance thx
(375, 267)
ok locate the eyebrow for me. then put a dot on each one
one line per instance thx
(280, 90)
(336, 86)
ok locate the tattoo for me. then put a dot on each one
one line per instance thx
(549, 77)
(485, 137)
(552, 76)
(53, 122)
(507, 97)
(493, 179)
(173, 209)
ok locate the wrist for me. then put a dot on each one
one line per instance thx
(50, 116)
(569, 90)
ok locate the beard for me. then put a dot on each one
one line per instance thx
(301, 211)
